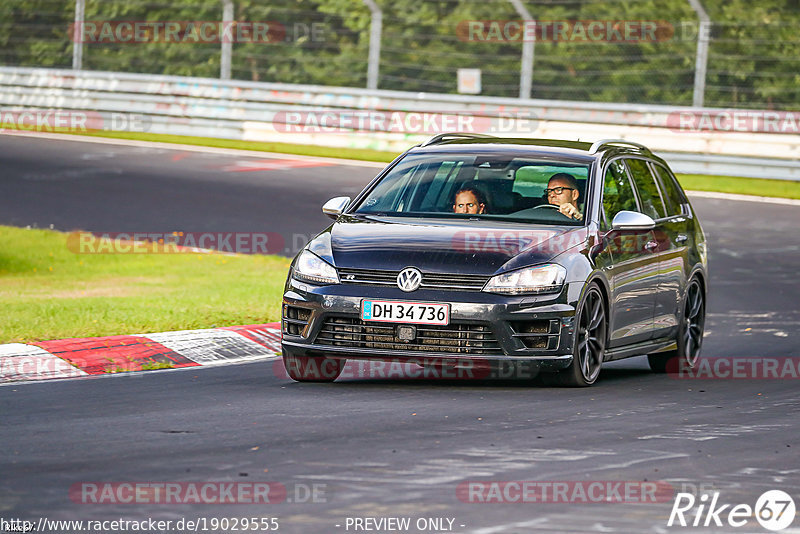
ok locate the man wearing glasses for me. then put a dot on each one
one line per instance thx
(562, 191)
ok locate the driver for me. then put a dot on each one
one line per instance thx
(562, 191)
(469, 200)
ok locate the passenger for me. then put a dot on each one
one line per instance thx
(562, 191)
(469, 200)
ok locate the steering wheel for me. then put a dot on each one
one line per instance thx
(554, 207)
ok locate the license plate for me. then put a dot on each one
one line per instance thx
(389, 311)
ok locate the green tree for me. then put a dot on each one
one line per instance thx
(754, 55)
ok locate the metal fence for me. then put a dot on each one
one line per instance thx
(718, 53)
(378, 119)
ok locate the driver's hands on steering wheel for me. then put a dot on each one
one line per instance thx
(570, 211)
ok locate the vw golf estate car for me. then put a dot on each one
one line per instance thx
(462, 253)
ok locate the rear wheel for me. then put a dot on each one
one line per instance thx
(312, 368)
(589, 346)
(690, 334)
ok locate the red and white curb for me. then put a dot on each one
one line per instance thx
(70, 358)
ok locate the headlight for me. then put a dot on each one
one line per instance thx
(545, 279)
(311, 268)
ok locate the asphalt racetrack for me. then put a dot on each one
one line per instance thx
(390, 448)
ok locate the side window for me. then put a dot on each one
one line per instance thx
(647, 188)
(617, 192)
(672, 194)
(530, 181)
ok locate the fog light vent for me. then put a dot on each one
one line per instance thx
(295, 320)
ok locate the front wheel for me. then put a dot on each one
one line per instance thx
(689, 337)
(589, 346)
(312, 368)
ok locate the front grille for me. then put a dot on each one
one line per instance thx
(541, 334)
(295, 320)
(465, 282)
(456, 337)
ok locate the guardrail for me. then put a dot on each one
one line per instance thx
(327, 116)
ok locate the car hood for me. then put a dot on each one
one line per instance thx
(442, 245)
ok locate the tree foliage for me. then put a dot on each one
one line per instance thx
(753, 59)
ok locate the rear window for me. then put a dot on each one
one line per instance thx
(504, 186)
(672, 195)
(649, 194)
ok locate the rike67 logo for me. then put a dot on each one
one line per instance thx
(774, 510)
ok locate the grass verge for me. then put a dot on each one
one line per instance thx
(761, 187)
(696, 182)
(48, 292)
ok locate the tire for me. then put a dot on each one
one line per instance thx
(589, 344)
(689, 337)
(312, 368)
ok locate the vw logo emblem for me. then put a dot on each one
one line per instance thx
(409, 279)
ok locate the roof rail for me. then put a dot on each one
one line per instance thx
(440, 138)
(596, 146)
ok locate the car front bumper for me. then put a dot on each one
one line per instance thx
(484, 327)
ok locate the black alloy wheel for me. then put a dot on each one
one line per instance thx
(690, 334)
(590, 341)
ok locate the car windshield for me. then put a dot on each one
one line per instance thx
(489, 186)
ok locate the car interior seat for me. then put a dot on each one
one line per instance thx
(499, 197)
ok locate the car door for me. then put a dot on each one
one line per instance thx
(675, 241)
(670, 264)
(633, 267)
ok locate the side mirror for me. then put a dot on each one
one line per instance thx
(335, 206)
(632, 220)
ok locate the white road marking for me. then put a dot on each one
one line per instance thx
(657, 456)
(708, 432)
(744, 198)
(464, 464)
(201, 149)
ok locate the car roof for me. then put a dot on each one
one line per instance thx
(523, 146)
(509, 148)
